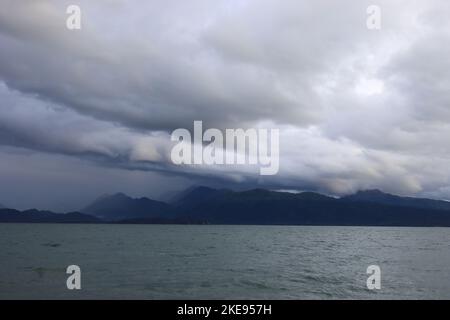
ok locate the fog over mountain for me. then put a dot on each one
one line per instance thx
(90, 111)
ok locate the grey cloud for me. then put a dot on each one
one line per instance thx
(356, 108)
(153, 81)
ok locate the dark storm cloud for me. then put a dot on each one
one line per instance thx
(355, 108)
(229, 64)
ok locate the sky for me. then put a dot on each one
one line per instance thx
(90, 111)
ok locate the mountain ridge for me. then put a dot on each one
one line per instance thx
(204, 205)
(378, 196)
(261, 206)
(119, 206)
(38, 216)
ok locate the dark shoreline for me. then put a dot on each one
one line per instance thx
(228, 224)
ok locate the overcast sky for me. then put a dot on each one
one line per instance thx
(87, 112)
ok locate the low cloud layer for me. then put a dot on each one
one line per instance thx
(356, 108)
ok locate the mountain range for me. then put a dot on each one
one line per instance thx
(37, 216)
(204, 205)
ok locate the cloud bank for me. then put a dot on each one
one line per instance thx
(356, 108)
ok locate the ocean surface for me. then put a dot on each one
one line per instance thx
(222, 262)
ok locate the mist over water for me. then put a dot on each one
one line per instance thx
(222, 262)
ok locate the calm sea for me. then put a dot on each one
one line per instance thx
(222, 262)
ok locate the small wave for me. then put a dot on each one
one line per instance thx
(255, 284)
(52, 244)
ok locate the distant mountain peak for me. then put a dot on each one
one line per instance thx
(371, 191)
(258, 191)
(119, 195)
(370, 194)
(120, 206)
(203, 188)
(197, 194)
(380, 197)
